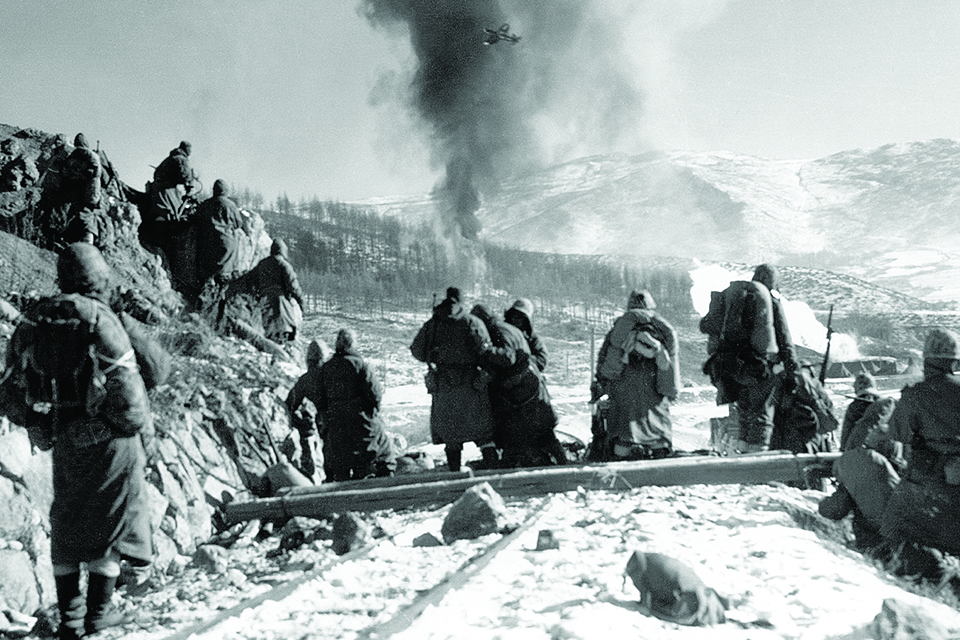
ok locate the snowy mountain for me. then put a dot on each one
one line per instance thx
(886, 215)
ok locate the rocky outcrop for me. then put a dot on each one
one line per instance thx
(219, 419)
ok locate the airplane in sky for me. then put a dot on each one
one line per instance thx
(502, 34)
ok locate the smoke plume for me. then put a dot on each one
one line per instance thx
(569, 88)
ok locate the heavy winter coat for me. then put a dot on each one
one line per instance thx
(454, 343)
(219, 236)
(100, 501)
(925, 507)
(524, 417)
(166, 200)
(349, 400)
(275, 282)
(640, 391)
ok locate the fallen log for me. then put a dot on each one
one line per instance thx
(402, 491)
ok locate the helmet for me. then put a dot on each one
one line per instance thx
(941, 343)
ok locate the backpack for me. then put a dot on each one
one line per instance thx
(804, 420)
(748, 318)
(70, 360)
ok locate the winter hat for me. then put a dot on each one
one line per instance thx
(346, 339)
(82, 269)
(640, 300)
(767, 275)
(453, 294)
(941, 343)
(220, 188)
(524, 306)
(482, 312)
(278, 248)
(185, 147)
(81, 141)
(864, 384)
(317, 353)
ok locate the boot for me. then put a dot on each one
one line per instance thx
(491, 457)
(101, 613)
(453, 457)
(71, 605)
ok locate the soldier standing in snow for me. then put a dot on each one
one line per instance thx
(453, 343)
(520, 315)
(748, 335)
(524, 418)
(355, 444)
(164, 221)
(275, 283)
(72, 353)
(925, 506)
(638, 367)
(302, 404)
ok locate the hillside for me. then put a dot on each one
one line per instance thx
(884, 215)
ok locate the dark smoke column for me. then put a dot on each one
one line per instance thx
(467, 92)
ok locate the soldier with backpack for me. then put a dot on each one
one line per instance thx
(72, 381)
(638, 367)
(747, 336)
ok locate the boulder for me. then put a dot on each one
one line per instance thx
(478, 512)
(899, 620)
(350, 532)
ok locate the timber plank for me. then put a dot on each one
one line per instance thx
(619, 476)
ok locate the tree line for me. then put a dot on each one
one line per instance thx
(350, 254)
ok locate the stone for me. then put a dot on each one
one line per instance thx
(18, 587)
(211, 558)
(478, 512)
(427, 540)
(349, 532)
(899, 620)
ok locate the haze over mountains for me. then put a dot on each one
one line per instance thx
(887, 215)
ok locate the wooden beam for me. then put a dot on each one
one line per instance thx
(405, 491)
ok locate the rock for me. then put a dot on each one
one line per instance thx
(898, 620)
(211, 558)
(236, 577)
(478, 512)
(297, 532)
(546, 540)
(18, 587)
(427, 540)
(349, 532)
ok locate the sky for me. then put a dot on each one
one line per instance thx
(313, 98)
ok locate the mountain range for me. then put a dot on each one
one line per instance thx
(887, 215)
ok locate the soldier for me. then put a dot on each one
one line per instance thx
(275, 283)
(453, 343)
(520, 315)
(165, 220)
(638, 367)
(72, 357)
(302, 402)
(355, 445)
(925, 506)
(748, 335)
(81, 192)
(524, 419)
(220, 231)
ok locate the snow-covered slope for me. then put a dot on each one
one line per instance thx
(887, 215)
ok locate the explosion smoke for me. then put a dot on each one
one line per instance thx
(569, 88)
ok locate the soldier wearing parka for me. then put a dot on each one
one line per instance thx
(355, 444)
(220, 229)
(925, 506)
(80, 192)
(520, 315)
(454, 343)
(744, 373)
(638, 367)
(275, 283)
(301, 402)
(524, 418)
(100, 512)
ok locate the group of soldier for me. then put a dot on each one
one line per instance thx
(899, 473)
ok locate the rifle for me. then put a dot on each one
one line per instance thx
(826, 354)
(430, 378)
